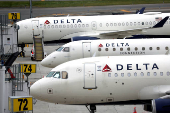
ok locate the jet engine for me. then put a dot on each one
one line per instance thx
(161, 105)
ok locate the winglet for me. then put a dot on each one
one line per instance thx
(161, 23)
(141, 11)
(94, 55)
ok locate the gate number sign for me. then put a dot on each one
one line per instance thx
(28, 68)
(17, 104)
(14, 16)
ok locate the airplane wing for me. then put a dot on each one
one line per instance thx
(111, 34)
(135, 31)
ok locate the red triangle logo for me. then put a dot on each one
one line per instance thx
(100, 45)
(106, 69)
(46, 22)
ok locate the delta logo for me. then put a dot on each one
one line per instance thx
(46, 22)
(100, 45)
(107, 69)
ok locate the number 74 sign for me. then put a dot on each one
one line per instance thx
(28, 68)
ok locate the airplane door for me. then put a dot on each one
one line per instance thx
(94, 25)
(35, 27)
(86, 49)
(90, 76)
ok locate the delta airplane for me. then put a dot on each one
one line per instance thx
(85, 27)
(111, 80)
(110, 47)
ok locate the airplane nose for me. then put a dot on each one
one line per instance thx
(46, 62)
(35, 90)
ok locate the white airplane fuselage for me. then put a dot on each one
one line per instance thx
(105, 80)
(109, 26)
(116, 47)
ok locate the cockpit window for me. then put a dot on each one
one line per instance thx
(56, 75)
(66, 49)
(50, 74)
(59, 49)
(64, 75)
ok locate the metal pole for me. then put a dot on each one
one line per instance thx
(2, 88)
(30, 8)
(1, 18)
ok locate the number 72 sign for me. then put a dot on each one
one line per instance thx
(18, 104)
(28, 68)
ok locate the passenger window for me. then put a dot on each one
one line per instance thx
(52, 26)
(158, 48)
(99, 49)
(131, 23)
(154, 73)
(150, 23)
(56, 75)
(116, 74)
(143, 48)
(161, 73)
(134, 23)
(166, 48)
(48, 26)
(44, 26)
(64, 26)
(75, 25)
(87, 25)
(136, 48)
(127, 23)
(64, 75)
(148, 73)
(79, 25)
(71, 25)
(60, 26)
(146, 23)
(119, 24)
(150, 48)
(123, 24)
(66, 49)
(106, 49)
(56, 26)
(59, 49)
(50, 74)
(114, 49)
(142, 74)
(107, 24)
(115, 24)
(83, 25)
(111, 24)
(67, 26)
(142, 23)
(128, 74)
(135, 74)
(154, 23)
(168, 73)
(122, 74)
(128, 48)
(121, 49)
(138, 23)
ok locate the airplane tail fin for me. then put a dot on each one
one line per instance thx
(161, 23)
(141, 11)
